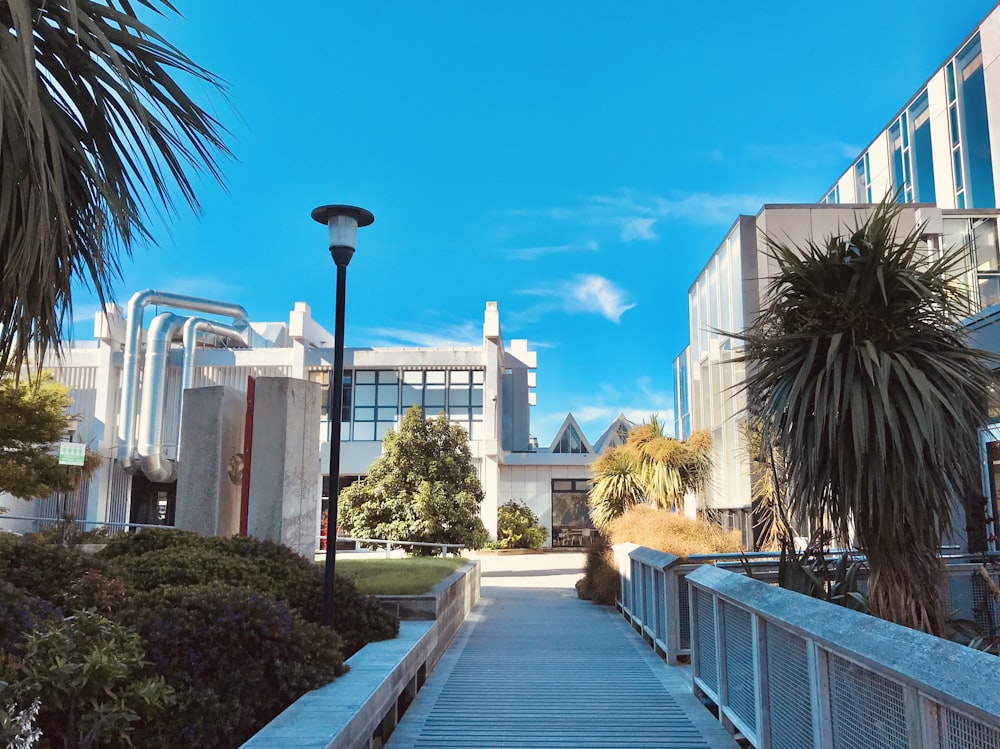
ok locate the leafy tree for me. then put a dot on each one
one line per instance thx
(650, 467)
(518, 528)
(423, 487)
(32, 419)
(95, 135)
(859, 369)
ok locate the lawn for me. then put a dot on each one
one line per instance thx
(409, 576)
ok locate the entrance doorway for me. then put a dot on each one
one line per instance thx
(152, 504)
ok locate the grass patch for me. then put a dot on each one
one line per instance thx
(399, 577)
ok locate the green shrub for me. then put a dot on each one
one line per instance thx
(20, 613)
(518, 528)
(91, 679)
(149, 539)
(18, 729)
(600, 580)
(264, 566)
(48, 571)
(235, 657)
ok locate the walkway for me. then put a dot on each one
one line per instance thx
(535, 667)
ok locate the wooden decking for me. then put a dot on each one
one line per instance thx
(535, 667)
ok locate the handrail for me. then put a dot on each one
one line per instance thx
(789, 670)
(98, 523)
(390, 543)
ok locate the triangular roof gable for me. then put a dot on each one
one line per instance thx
(610, 436)
(569, 423)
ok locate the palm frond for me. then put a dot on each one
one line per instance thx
(95, 134)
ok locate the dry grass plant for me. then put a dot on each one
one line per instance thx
(672, 532)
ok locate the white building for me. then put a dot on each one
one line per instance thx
(939, 153)
(127, 385)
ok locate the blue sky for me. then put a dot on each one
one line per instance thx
(576, 162)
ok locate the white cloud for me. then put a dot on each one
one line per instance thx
(584, 293)
(530, 253)
(598, 294)
(635, 217)
(454, 336)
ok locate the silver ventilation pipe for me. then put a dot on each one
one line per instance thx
(192, 326)
(154, 463)
(133, 355)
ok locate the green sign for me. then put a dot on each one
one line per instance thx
(72, 453)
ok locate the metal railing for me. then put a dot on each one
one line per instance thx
(791, 672)
(391, 544)
(653, 593)
(97, 523)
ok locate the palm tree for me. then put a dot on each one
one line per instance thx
(650, 468)
(95, 134)
(860, 370)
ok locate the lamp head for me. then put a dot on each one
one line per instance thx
(343, 222)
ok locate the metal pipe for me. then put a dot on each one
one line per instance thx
(189, 336)
(152, 459)
(133, 354)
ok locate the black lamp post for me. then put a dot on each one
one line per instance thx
(343, 222)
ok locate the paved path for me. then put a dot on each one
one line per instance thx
(535, 667)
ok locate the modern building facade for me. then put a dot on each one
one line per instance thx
(127, 386)
(939, 155)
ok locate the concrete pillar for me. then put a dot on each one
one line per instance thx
(284, 471)
(208, 482)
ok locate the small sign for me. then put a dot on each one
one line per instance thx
(72, 453)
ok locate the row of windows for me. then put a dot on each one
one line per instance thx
(375, 399)
(910, 143)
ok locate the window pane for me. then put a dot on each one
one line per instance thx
(412, 395)
(381, 430)
(459, 396)
(364, 395)
(430, 411)
(387, 377)
(985, 236)
(388, 395)
(413, 378)
(364, 375)
(460, 377)
(436, 378)
(434, 396)
(387, 414)
(364, 432)
(364, 414)
(478, 376)
(477, 395)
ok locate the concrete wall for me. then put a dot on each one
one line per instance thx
(208, 499)
(285, 461)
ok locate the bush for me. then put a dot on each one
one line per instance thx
(263, 566)
(235, 657)
(91, 680)
(672, 532)
(600, 579)
(518, 528)
(20, 613)
(51, 572)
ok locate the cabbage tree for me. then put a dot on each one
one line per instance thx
(861, 372)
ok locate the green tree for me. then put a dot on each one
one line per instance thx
(859, 370)
(96, 134)
(32, 419)
(518, 528)
(649, 468)
(423, 487)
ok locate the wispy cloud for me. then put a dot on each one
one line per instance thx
(634, 217)
(453, 336)
(531, 253)
(585, 293)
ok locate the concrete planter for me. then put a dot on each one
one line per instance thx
(362, 706)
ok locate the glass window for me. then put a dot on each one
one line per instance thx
(571, 524)
(984, 233)
(365, 376)
(923, 161)
(975, 135)
(364, 395)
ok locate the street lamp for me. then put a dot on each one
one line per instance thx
(343, 222)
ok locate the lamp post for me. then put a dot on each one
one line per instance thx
(343, 222)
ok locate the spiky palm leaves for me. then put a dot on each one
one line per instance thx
(648, 468)
(94, 131)
(862, 374)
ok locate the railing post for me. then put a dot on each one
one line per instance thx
(388, 548)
